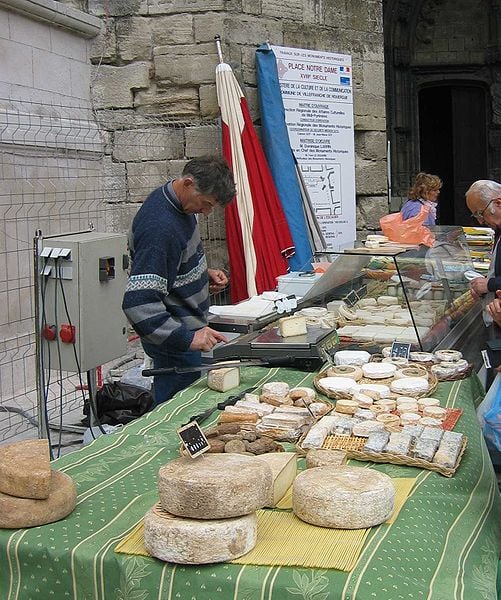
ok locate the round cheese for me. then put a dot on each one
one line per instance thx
(387, 300)
(347, 407)
(448, 355)
(379, 390)
(351, 357)
(422, 357)
(193, 542)
(412, 371)
(444, 370)
(27, 512)
(410, 386)
(25, 469)
(409, 418)
(378, 370)
(339, 384)
(399, 361)
(345, 371)
(321, 458)
(277, 388)
(215, 486)
(435, 412)
(408, 407)
(424, 402)
(388, 419)
(343, 497)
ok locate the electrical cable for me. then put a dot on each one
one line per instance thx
(79, 371)
(59, 365)
(45, 382)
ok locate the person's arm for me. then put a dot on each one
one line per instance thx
(217, 280)
(410, 209)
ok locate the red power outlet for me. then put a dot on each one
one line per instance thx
(67, 333)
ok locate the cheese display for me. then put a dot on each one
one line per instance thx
(343, 497)
(28, 512)
(222, 380)
(291, 326)
(283, 467)
(189, 541)
(25, 469)
(215, 486)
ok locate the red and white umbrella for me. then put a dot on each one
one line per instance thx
(257, 234)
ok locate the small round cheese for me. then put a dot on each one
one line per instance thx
(387, 300)
(422, 357)
(193, 542)
(388, 404)
(343, 497)
(363, 400)
(277, 388)
(338, 384)
(424, 402)
(350, 371)
(405, 399)
(347, 407)
(408, 407)
(399, 361)
(388, 419)
(448, 355)
(435, 412)
(379, 390)
(378, 370)
(214, 486)
(409, 418)
(443, 370)
(412, 371)
(351, 357)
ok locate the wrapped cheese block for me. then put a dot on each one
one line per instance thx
(222, 380)
(343, 497)
(215, 486)
(25, 469)
(192, 542)
(28, 512)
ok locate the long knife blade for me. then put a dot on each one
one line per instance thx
(275, 361)
(230, 401)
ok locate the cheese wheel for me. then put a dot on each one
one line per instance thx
(378, 370)
(277, 388)
(351, 357)
(409, 418)
(363, 400)
(408, 407)
(444, 370)
(215, 486)
(18, 513)
(192, 542)
(343, 497)
(405, 399)
(388, 419)
(339, 384)
(345, 371)
(347, 407)
(435, 412)
(422, 357)
(410, 386)
(399, 361)
(379, 390)
(25, 469)
(323, 458)
(424, 402)
(448, 355)
(412, 371)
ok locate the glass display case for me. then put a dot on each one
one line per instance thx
(419, 296)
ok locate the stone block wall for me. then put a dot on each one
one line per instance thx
(155, 64)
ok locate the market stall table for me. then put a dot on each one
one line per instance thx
(444, 544)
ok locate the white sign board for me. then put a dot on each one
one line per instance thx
(318, 100)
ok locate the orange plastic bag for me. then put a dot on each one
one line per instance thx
(411, 231)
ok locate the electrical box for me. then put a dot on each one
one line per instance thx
(82, 282)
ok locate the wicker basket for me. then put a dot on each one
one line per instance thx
(432, 379)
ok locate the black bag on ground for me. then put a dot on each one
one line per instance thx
(120, 403)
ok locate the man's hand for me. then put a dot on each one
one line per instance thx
(217, 280)
(205, 339)
(479, 286)
(494, 309)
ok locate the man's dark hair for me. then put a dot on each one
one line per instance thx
(212, 176)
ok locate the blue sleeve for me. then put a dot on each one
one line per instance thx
(410, 209)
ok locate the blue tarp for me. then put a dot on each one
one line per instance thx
(276, 144)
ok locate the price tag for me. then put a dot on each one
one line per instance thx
(399, 349)
(351, 299)
(286, 305)
(193, 439)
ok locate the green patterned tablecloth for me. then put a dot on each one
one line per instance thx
(444, 545)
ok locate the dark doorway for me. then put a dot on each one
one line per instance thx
(453, 144)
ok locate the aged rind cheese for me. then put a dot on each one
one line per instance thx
(283, 467)
(410, 386)
(25, 469)
(18, 513)
(277, 388)
(291, 326)
(323, 458)
(215, 486)
(351, 357)
(343, 497)
(222, 380)
(349, 371)
(192, 542)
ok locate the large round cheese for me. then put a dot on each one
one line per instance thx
(343, 497)
(215, 486)
(192, 542)
(25, 469)
(18, 513)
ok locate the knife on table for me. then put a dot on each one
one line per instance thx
(276, 361)
(230, 401)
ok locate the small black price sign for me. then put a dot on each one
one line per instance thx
(399, 349)
(351, 299)
(193, 439)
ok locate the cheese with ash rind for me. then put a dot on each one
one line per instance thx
(214, 486)
(18, 513)
(343, 497)
(25, 469)
(291, 326)
(192, 542)
(222, 380)
(283, 467)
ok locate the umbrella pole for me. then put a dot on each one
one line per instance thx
(217, 39)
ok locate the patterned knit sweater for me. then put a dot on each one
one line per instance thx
(167, 294)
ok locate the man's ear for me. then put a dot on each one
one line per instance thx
(188, 182)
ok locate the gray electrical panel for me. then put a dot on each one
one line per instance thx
(82, 281)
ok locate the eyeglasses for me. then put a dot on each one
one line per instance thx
(479, 214)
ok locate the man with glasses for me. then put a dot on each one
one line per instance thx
(483, 198)
(167, 295)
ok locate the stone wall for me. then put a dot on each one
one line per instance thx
(155, 63)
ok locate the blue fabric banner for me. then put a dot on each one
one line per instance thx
(275, 139)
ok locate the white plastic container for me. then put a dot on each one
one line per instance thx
(297, 283)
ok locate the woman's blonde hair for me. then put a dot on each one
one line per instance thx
(423, 184)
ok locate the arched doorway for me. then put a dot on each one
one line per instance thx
(453, 142)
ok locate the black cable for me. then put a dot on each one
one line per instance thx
(60, 368)
(79, 370)
(45, 382)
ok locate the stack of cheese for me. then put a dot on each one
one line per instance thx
(207, 509)
(31, 493)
